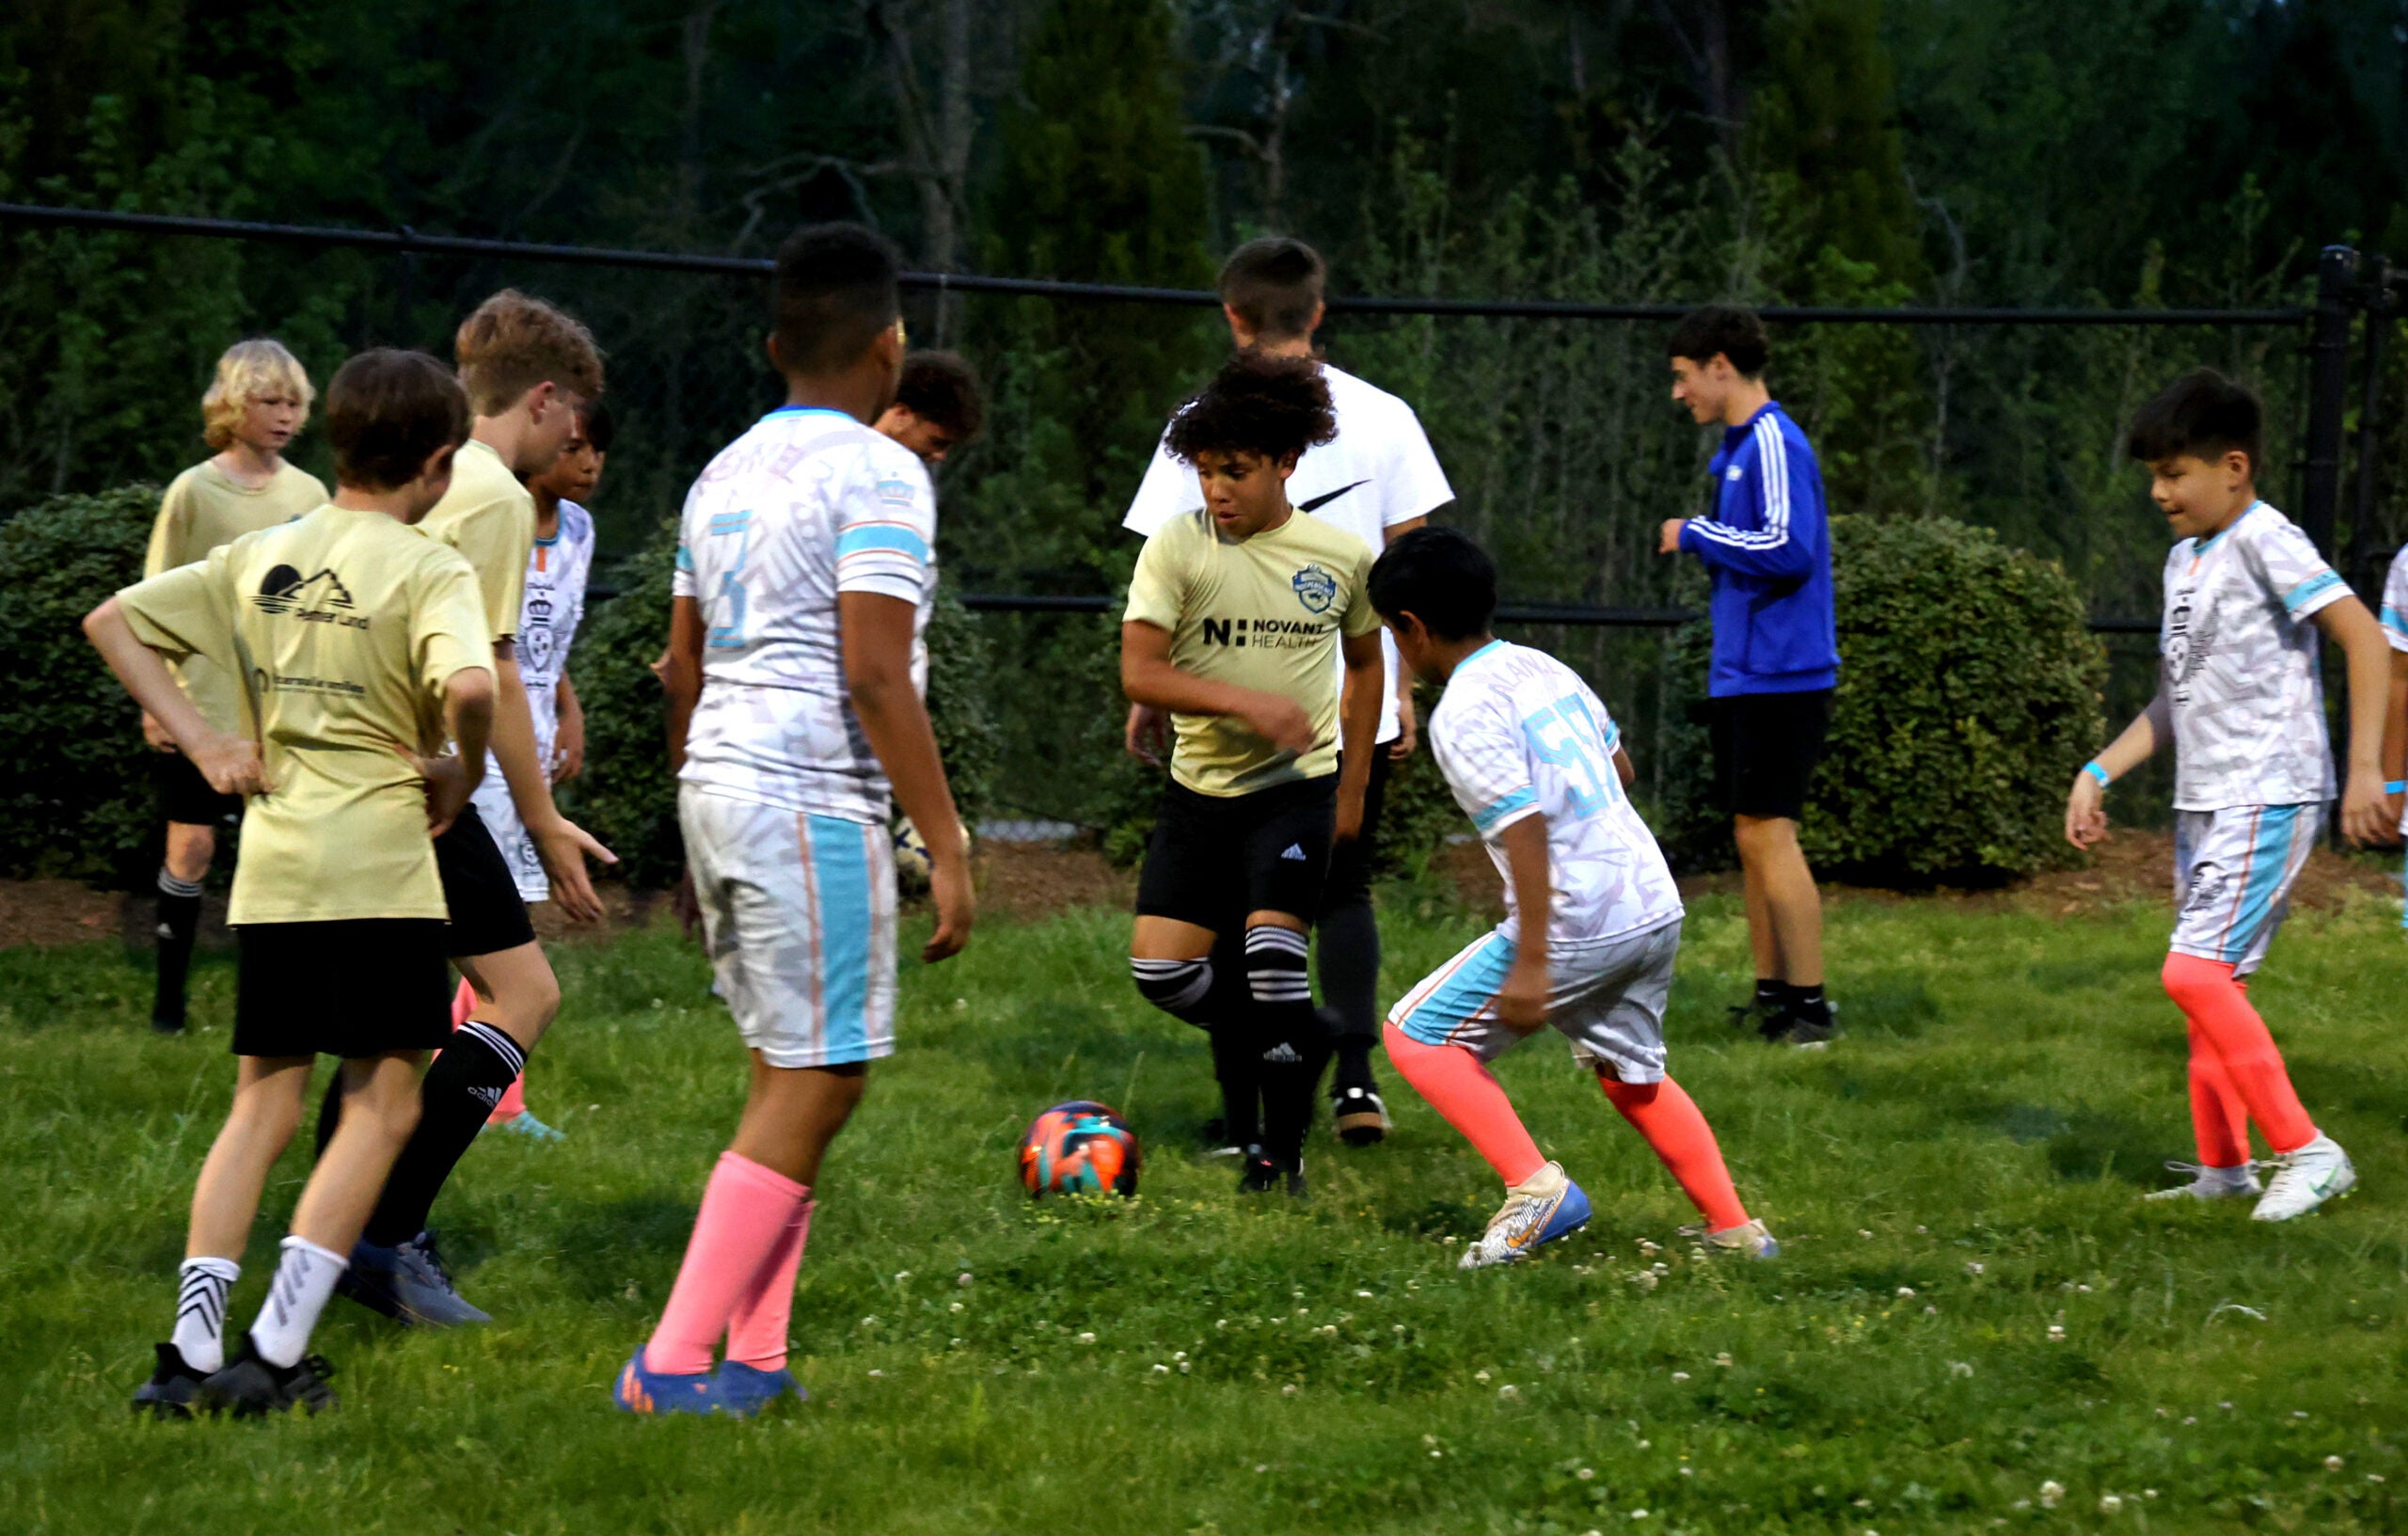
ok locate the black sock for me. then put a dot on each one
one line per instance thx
(1771, 992)
(1240, 1079)
(476, 1069)
(1808, 1002)
(1349, 958)
(1293, 1047)
(178, 920)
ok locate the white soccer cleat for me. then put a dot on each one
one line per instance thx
(1749, 1238)
(1539, 1208)
(2209, 1183)
(2307, 1178)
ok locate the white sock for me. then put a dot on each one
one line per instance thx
(305, 1277)
(201, 1287)
(1538, 1186)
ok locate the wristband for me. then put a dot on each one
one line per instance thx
(2096, 772)
(2397, 786)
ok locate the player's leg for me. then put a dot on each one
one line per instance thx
(1185, 949)
(1772, 742)
(499, 814)
(1285, 857)
(1347, 941)
(193, 812)
(1763, 1008)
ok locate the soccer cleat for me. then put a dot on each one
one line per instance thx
(749, 1389)
(252, 1386)
(1362, 1118)
(408, 1284)
(1260, 1174)
(525, 1124)
(2209, 1183)
(640, 1390)
(168, 1023)
(1789, 1028)
(1541, 1209)
(1749, 1238)
(2305, 1179)
(1756, 1013)
(172, 1389)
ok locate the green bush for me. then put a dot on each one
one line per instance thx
(1969, 697)
(75, 795)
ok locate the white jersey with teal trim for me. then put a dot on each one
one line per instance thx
(1517, 734)
(2240, 659)
(548, 614)
(808, 504)
(2395, 615)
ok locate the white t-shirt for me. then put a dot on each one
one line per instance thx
(2395, 615)
(1518, 734)
(1378, 472)
(807, 504)
(550, 611)
(2240, 659)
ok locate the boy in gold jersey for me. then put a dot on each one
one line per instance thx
(253, 407)
(1234, 615)
(361, 645)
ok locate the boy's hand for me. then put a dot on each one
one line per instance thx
(230, 763)
(1282, 722)
(1408, 731)
(569, 749)
(1147, 736)
(2367, 815)
(563, 846)
(957, 908)
(1521, 1003)
(156, 734)
(1668, 538)
(2085, 812)
(448, 783)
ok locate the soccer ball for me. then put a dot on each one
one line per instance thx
(912, 865)
(1080, 1148)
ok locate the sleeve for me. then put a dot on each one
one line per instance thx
(448, 624)
(2293, 572)
(2395, 603)
(183, 611)
(1168, 489)
(167, 531)
(886, 525)
(1413, 486)
(495, 542)
(1361, 617)
(1780, 485)
(1487, 768)
(1158, 590)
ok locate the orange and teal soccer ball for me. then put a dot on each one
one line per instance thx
(1081, 1147)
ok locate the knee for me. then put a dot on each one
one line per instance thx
(529, 1007)
(264, 1119)
(1762, 836)
(2191, 981)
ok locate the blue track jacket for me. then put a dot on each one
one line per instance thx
(1769, 549)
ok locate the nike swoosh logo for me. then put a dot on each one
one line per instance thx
(1326, 499)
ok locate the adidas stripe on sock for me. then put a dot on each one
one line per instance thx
(1178, 987)
(1274, 965)
(202, 1289)
(305, 1277)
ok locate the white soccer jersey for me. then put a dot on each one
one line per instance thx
(2395, 615)
(2240, 659)
(549, 609)
(1379, 471)
(808, 504)
(1517, 733)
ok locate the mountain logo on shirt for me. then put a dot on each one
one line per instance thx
(315, 600)
(1315, 588)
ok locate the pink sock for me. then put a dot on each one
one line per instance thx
(2218, 1008)
(1672, 1124)
(746, 1210)
(2219, 1121)
(1469, 1097)
(756, 1331)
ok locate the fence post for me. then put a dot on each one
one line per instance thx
(2328, 390)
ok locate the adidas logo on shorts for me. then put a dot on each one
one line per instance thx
(1295, 851)
(1283, 1053)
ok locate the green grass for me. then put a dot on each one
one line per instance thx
(2007, 1088)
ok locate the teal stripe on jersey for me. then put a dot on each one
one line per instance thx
(2312, 588)
(854, 541)
(1497, 810)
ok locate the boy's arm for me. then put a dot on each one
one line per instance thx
(568, 746)
(2086, 801)
(559, 842)
(1622, 769)
(1147, 677)
(2395, 735)
(1522, 1001)
(1358, 724)
(1770, 549)
(230, 763)
(2364, 805)
(468, 721)
(877, 634)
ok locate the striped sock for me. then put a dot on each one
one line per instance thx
(305, 1277)
(201, 1287)
(1291, 1044)
(460, 1090)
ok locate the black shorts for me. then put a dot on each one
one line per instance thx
(1766, 746)
(1349, 866)
(357, 987)
(488, 915)
(1215, 859)
(185, 798)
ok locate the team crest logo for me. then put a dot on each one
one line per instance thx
(1315, 588)
(2207, 888)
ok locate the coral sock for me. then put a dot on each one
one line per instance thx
(1469, 1097)
(757, 1330)
(514, 1098)
(746, 1210)
(2219, 1121)
(1670, 1121)
(2220, 1016)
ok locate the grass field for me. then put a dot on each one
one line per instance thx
(1953, 1183)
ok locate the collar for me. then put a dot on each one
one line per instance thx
(807, 410)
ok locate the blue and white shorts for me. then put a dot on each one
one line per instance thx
(1607, 999)
(799, 917)
(2233, 871)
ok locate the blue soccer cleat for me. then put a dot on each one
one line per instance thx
(642, 1392)
(752, 1389)
(525, 1124)
(1541, 1209)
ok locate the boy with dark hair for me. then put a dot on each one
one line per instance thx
(1235, 613)
(1377, 479)
(364, 646)
(1592, 920)
(256, 404)
(938, 406)
(1768, 550)
(2246, 596)
(527, 369)
(805, 577)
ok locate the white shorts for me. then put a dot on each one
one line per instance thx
(799, 917)
(1607, 999)
(499, 814)
(2233, 871)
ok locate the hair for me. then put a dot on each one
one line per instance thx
(1275, 285)
(942, 387)
(514, 342)
(2202, 413)
(595, 425)
(1259, 403)
(836, 290)
(388, 412)
(1440, 576)
(248, 371)
(1724, 329)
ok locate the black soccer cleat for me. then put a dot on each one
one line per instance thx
(1789, 1027)
(1362, 1118)
(1262, 1175)
(173, 1388)
(1756, 1014)
(253, 1387)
